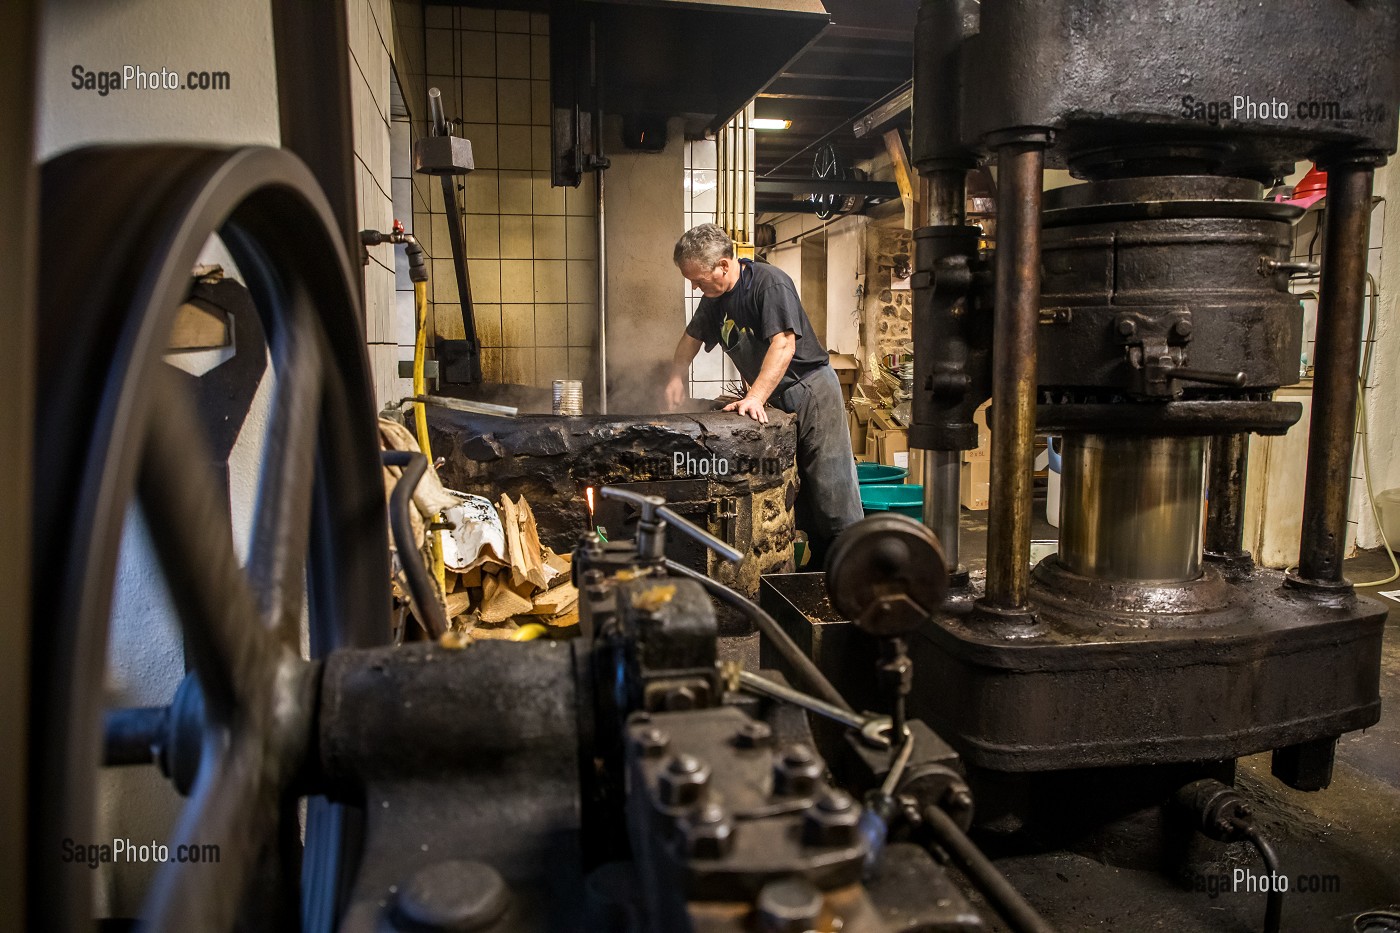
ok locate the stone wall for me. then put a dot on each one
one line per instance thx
(889, 313)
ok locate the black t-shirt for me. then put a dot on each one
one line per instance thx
(742, 320)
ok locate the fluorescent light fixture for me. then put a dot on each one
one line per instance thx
(768, 123)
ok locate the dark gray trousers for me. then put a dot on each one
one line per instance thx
(828, 499)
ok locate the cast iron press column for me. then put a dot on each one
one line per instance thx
(1229, 466)
(1020, 178)
(1332, 436)
(947, 192)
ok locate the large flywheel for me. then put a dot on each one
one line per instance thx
(122, 230)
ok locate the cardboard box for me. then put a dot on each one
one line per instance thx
(983, 450)
(847, 368)
(916, 467)
(857, 432)
(976, 482)
(894, 447)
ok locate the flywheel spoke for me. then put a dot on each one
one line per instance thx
(282, 516)
(193, 540)
(235, 807)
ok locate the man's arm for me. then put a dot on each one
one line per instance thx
(781, 347)
(680, 365)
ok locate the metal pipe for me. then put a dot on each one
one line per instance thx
(947, 198)
(1229, 465)
(1021, 166)
(1020, 916)
(1339, 317)
(420, 585)
(1132, 507)
(803, 667)
(942, 506)
(602, 301)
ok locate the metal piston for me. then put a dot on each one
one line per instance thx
(1131, 507)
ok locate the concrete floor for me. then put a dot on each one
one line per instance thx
(1346, 837)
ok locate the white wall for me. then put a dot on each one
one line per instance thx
(145, 661)
(845, 269)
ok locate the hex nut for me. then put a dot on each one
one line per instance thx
(1126, 327)
(798, 771)
(753, 734)
(1182, 328)
(683, 780)
(833, 821)
(789, 905)
(709, 832)
(651, 741)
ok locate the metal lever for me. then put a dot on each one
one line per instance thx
(1200, 375)
(1270, 266)
(654, 512)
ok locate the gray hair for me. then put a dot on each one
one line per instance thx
(706, 245)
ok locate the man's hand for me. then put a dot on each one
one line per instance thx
(675, 393)
(750, 406)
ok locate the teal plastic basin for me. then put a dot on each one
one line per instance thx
(904, 499)
(876, 474)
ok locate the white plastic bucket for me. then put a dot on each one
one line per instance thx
(1388, 504)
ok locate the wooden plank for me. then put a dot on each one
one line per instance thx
(903, 177)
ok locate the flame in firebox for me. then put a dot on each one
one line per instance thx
(588, 494)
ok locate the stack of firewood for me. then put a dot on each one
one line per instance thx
(495, 594)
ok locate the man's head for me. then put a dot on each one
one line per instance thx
(705, 256)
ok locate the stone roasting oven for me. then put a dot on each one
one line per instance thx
(722, 471)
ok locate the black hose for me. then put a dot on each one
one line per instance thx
(1020, 916)
(1273, 908)
(811, 677)
(420, 586)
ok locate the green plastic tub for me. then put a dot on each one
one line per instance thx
(878, 474)
(904, 499)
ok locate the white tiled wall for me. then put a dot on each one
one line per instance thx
(370, 38)
(711, 371)
(532, 249)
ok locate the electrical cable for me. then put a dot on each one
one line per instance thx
(1273, 908)
(807, 672)
(1361, 428)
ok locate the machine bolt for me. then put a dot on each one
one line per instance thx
(790, 905)
(798, 771)
(709, 832)
(1125, 327)
(1182, 328)
(834, 821)
(753, 734)
(683, 780)
(455, 896)
(652, 741)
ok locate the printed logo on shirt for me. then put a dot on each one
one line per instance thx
(729, 327)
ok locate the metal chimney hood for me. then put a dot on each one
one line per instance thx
(700, 60)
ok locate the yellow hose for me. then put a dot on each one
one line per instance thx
(420, 416)
(420, 351)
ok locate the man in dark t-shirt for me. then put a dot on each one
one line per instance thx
(753, 312)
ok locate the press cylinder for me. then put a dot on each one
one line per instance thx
(1131, 507)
